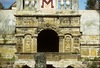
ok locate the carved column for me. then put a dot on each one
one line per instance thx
(23, 45)
(61, 43)
(34, 44)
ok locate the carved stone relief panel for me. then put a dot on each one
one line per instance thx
(65, 21)
(46, 20)
(47, 26)
(25, 30)
(19, 44)
(64, 31)
(67, 43)
(27, 43)
(85, 52)
(75, 21)
(75, 31)
(27, 21)
(30, 5)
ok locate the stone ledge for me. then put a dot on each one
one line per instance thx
(46, 15)
(50, 56)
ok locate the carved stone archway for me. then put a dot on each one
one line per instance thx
(48, 41)
(47, 26)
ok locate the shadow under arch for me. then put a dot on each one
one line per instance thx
(25, 66)
(47, 41)
(69, 66)
(50, 66)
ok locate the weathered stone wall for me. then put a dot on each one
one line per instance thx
(89, 21)
(7, 51)
(7, 22)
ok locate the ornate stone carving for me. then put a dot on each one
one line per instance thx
(74, 21)
(48, 23)
(48, 26)
(30, 4)
(67, 43)
(27, 43)
(75, 5)
(65, 21)
(27, 21)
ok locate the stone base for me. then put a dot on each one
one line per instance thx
(61, 60)
(59, 64)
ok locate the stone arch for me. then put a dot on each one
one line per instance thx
(47, 26)
(67, 43)
(27, 43)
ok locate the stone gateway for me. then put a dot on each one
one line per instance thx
(55, 33)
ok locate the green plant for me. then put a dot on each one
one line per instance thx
(93, 65)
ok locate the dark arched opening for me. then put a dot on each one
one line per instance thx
(47, 41)
(69, 67)
(25, 66)
(49, 66)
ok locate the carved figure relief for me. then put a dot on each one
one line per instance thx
(74, 5)
(27, 43)
(29, 4)
(67, 43)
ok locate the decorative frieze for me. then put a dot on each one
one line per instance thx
(69, 21)
(27, 21)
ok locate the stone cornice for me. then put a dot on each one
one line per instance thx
(50, 15)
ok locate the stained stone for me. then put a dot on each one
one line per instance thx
(40, 60)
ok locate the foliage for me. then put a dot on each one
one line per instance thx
(91, 4)
(1, 6)
(93, 65)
